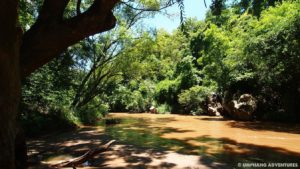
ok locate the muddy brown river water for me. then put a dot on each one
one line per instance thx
(217, 139)
(174, 141)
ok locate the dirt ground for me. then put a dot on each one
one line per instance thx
(49, 150)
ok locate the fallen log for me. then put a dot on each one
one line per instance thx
(81, 159)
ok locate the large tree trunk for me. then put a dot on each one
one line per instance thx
(9, 81)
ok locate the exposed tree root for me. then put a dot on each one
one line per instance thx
(81, 159)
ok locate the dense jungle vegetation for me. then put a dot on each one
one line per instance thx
(241, 47)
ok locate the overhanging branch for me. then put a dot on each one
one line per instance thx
(46, 40)
(52, 10)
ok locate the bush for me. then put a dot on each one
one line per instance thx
(137, 97)
(36, 122)
(164, 109)
(187, 73)
(193, 99)
(92, 112)
(137, 103)
(166, 91)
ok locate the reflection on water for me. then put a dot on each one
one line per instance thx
(213, 138)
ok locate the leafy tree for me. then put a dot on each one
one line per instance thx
(248, 55)
(52, 33)
(193, 100)
(49, 36)
(105, 67)
(255, 7)
(213, 55)
(246, 46)
(274, 48)
(187, 73)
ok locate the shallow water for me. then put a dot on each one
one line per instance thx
(214, 138)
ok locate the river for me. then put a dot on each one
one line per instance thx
(215, 138)
(174, 141)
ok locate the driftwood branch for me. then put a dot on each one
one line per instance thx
(88, 155)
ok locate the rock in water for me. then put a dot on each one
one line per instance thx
(153, 110)
(244, 108)
(214, 106)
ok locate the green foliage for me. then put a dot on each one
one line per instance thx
(280, 26)
(28, 11)
(92, 112)
(136, 97)
(153, 72)
(57, 118)
(213, 55)
(243, 54)
(164, 109)
(274, 49)
(217, 6)
(235, 52)
(242, 47)
(47, 94)
(166, 91)
(50, 85)
(137, 102)
(255, 7)
(187, 73)
(193, 100)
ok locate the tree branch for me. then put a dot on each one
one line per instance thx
(88, 155)
(46, 40)
(52, 10)
(78, 7)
